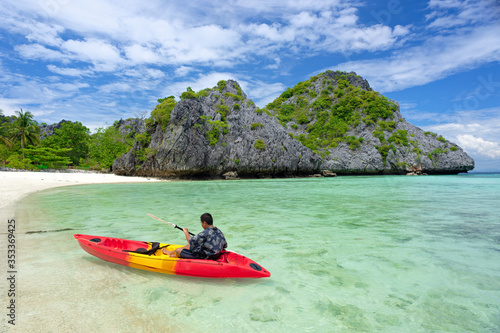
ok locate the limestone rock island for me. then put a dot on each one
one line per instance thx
(332, 122)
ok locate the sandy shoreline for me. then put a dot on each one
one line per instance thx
(16, 185)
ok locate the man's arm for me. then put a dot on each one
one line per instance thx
(186, 233)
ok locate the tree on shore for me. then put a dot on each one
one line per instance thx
(105, 146)
(73, 136)
(24, 129)
(4, 135)
(4, 141)
(46, 157)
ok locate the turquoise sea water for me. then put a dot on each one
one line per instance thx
(346, 254)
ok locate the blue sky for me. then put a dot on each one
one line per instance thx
(97, 61)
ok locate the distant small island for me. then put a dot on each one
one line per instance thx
(333, 123)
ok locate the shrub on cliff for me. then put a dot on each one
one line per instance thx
(161, 113)
(260, 144)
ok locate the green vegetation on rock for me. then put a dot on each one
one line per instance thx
(223, 110)
(234, 96)
(221, 85)
(329, 106)
(189, 93)
(260, 144)
(384, 150)
(161, 113)
(400, 137)
(255, 126)
(143, 138)
(216, 127)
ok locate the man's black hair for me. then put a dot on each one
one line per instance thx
(207, 218)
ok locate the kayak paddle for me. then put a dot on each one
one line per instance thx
(173, 225)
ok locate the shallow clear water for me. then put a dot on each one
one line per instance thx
(389, 253)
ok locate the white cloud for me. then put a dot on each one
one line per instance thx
(263, 93)
(144, 72)
(44, 33)
(104, 56)
(37, 51)
(267, 7)
(205, 45)
(453, 130)
(93, 50)
(39, 113)
(473, 42)
(436, 59)
(70, 87)
(154, 73)
(139, 54)
(91, 17)
(69, 71)
(116, 87)
(35, 94)
(273, 33)
(401, 31)
(479, 145)
(371, 38)
(303, 19)
(445, 3)
(11, 105)
(477, 131)
(447, 14)
(275, 65)
(328, 31)
(185, 34)
(183, 70)
(211, 36)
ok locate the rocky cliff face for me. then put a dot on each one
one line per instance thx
(210, 135)
(331, 122)
(130, 126)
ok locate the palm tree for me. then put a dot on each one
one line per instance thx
(25, 129)
(3, 132)
(3, 135)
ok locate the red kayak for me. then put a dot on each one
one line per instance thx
(149, 256)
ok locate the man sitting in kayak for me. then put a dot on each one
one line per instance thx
(208, 244)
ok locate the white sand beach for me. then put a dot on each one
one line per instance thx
(15, 185)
